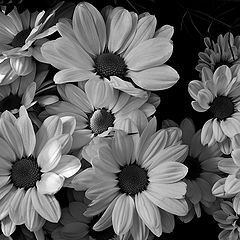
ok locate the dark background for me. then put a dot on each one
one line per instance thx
(192, 20)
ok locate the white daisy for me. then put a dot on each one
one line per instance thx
(131, 180)
(33, 168)
(24, 91)
(119, 46)
(229, 221)
(218, 93)
(100, 109)
(21, 37)
(202, 162)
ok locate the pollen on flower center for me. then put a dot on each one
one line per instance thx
(222, 107)
(101, 120)
(194, 168)
(10, 102)
(110, 64)
(19, 39)
(132, 179)
(25, 173)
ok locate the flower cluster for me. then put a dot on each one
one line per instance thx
(78, 103)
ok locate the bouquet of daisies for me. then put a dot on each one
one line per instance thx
(82, 153)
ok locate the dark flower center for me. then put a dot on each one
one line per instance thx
(222, 107)
(19, 39)
(106, 234)
(10, 102)
(132, 179)
(194, 168)
(25, 173)
(110, 64)
(227, 62)
(101, 120)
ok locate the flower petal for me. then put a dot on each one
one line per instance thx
(89, 28)
(26, 130)
(50, 155)
(67, 166)
(122, 215)
(148, 54)
(47, 206)
(50, 183)
(156, 78)
(149, 213)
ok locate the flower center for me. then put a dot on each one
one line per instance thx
(19, 39)
(10, 102)
(110, 64)
(25, 173)
(132, 179)
(221, 62)
(106, 234)
(101, 120)
(194, 168)
(222, 107)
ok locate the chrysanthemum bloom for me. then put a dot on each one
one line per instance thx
(25, 90)
(229, 186)
(132, 179)
(99, 109)
(226, 51)
(202, 162)
(21, 37)
(122, 48)
(229, 221)
(33, 168)
(218, 93)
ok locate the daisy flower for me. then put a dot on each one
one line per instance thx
(218, 93)
(229, 186)
(229, 221)
(226, 51)
(118, 46)
(99, 109)
(24, 91)
(130, 180)
(202, 162)
(21, 38)
(33, 168)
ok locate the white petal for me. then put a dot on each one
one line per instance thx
(122, 148)
(122, 215)
(99, 93)
(50, 183)
(51, 127)
(149, 213)
(72, 75)
(127, 87)
(47, 206)
(50, 155)
(12, 136)
(15, 209)
(33, 220)
(156, 78)
(89, 28)
(145, 30)
(25, 127)
(67, 166)
(7, 226)
(148, 54)
(78, 97)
